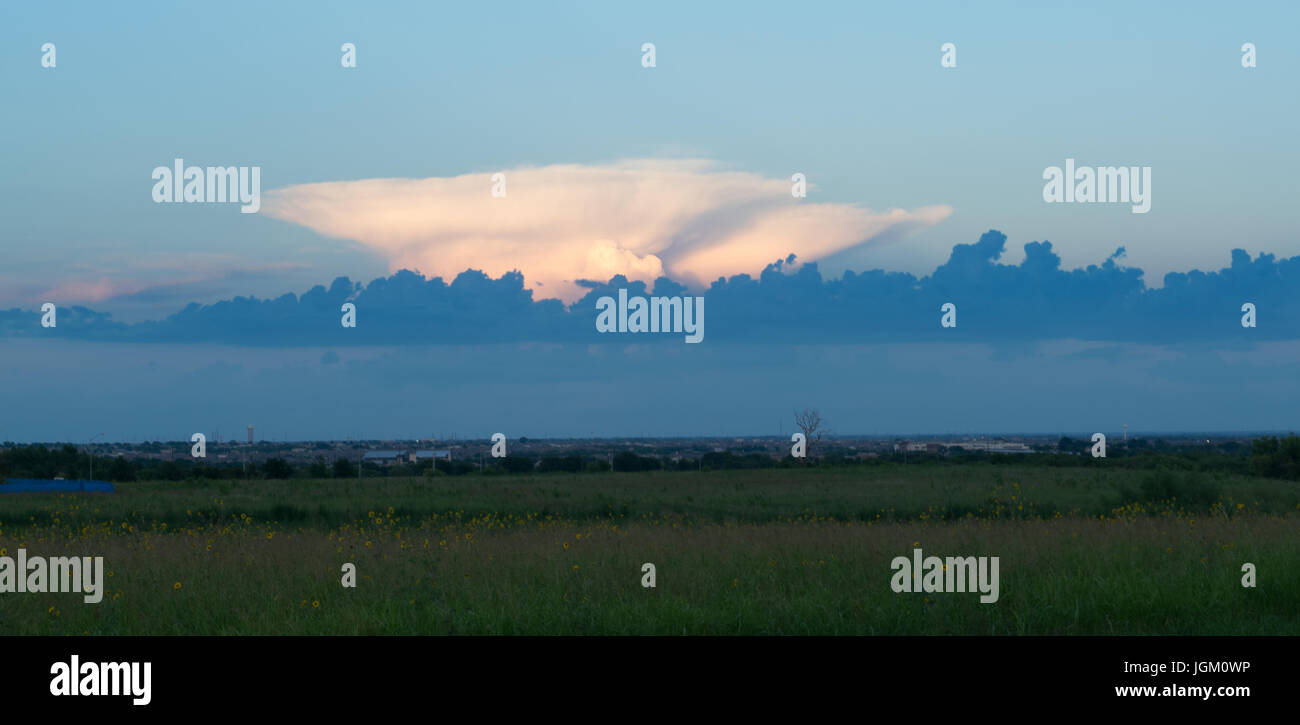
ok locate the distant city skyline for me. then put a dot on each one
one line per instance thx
(765, 437)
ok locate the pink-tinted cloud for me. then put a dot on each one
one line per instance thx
(689, 219)
(94, 290)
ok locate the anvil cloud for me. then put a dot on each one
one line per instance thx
(689, 219)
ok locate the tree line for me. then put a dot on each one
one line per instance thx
(1270, 457)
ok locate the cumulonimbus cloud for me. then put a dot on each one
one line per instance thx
(690, 219)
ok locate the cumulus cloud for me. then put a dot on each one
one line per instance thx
(688, 219)
(154, 285)
(1034, 300)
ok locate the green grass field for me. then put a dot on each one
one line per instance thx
(780, 551)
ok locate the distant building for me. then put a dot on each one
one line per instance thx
(420, 456)
(383, 458)
(33, 485)
(983, 446)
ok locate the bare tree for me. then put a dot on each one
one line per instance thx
(809, 420)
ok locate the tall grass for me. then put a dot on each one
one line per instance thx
(758, 552)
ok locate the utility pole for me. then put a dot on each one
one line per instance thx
(91, 452)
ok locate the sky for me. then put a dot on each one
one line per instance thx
(924, 185)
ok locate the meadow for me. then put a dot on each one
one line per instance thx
(780, 551)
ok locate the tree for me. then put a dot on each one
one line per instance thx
(343, 468)
(318, 469)
(121, 470)
(1276, 458)
(808, 421)
(277, 468)
(571, 464)
(169, 471)
(1070, 445)
(516, 464)
(629, 461)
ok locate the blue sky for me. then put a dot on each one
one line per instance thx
(850, 94)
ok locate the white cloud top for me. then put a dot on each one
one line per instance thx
(689, 219)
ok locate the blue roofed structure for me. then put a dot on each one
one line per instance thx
(38, 485)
